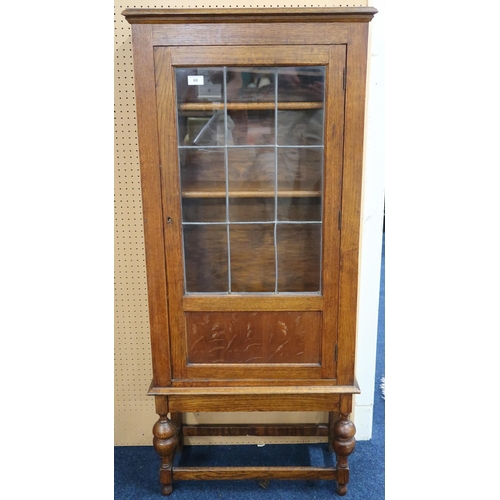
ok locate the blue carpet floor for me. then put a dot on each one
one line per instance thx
(136, 467)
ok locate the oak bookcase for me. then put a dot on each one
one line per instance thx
(251, 125)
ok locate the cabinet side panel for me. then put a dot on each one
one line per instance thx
(152, 208)
(351, 199)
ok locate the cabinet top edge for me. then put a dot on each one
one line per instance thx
(237, 15)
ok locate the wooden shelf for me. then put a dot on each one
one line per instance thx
(239, 106)
(247, 193)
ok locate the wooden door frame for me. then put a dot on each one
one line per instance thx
(167, 59)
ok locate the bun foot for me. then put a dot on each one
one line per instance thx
(341, 489)
(166, 489)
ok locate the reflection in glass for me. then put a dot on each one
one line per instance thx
(207, 87)
(299, 257)
(252, 258)
(205, 253)
(251, 175)
(300, 173)
(250, 84)
(300, 127)
(200, 122)
(304, 86)
(207, 129)
(301, 84)
(254, 122)
(203, 184)
(300, 169)
(252, 184)
(295, 208)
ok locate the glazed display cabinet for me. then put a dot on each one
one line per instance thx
(250, 127)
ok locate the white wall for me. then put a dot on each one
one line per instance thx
(371, 232)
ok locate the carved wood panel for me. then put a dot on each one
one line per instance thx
(263, 337)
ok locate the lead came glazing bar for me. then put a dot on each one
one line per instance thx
(235, 146)
(224, 89)
(235, 223)
(276, 176)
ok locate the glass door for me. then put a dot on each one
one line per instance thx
(251, 148)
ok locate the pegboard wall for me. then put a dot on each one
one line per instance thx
(134, 411)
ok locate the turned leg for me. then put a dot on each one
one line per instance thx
(343, 445)
(333, 416)
(165, 443)
(176, 419)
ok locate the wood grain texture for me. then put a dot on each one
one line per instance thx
(256, 430)
(248, 382)
(333, 192)
(278, 55)
(235, 302)
(250, 15)
(262, 371)
(165, 442)
(224, 403)
(253, 337)
(297, 391)
(255, 34)
(227, 473)
(170, 182)
(351, 200)
(259, 34)
(151, 202)
(198, 191)
(161, 404)
(343, 444)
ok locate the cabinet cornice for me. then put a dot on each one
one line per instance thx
(181, 16)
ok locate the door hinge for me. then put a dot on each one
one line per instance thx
(336, 354)
(344, 78)
(340, 220)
